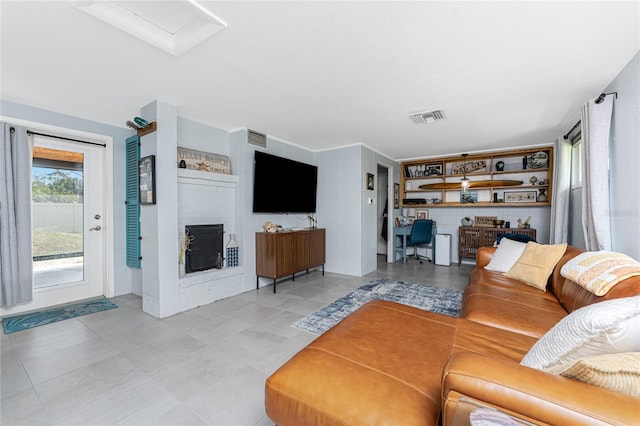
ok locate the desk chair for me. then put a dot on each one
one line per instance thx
(421, 236)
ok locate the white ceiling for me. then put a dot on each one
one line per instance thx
(328, 74)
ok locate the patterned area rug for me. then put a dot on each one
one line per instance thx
(422, 296)
(36, 319)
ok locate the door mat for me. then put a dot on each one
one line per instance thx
(36, 319)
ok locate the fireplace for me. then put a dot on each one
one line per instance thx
(205, 247)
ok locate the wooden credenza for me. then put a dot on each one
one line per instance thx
(280, 254)
(470, 238)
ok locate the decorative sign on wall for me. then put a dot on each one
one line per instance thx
(203, 161)
(469, 167)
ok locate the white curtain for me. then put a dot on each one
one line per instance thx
(596, 126)
(559, 228)
(16, 262)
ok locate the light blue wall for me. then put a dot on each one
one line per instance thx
(202, 137)
(242, 156)
(370, 216)
(122, 274)
(625, 160)
(340, 188)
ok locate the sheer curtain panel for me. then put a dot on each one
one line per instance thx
(596, 126)
(16, 262)
(561, 191)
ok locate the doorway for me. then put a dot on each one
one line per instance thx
(384, 210)
(70, 191)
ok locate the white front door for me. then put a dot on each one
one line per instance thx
(68, 223)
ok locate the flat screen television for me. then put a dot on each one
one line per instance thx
(281, 185)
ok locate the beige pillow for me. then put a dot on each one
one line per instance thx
(618, 372)
(536, 264)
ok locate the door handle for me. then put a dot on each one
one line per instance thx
(97, 228)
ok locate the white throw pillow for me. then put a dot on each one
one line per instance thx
(608, 327)
(506, 255)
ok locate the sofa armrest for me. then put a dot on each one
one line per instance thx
(484, 256)
(530, 394)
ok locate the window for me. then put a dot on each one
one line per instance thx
(575, 233)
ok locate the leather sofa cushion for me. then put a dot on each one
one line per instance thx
(481, 276)
(520, 312)
(380, 365)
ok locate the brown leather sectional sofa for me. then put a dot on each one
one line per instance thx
(390, 364)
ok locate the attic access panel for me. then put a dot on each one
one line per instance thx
(175, 27)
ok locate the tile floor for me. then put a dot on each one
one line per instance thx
(206, 366)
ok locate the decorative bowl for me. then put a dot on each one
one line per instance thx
(498, 223)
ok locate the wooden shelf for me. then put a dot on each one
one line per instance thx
(479, 167)
(152, 127)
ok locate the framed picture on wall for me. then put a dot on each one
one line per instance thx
(520, 197)
(370, 182)
(147, 179)
(469, 197)
(422, 214)
(396, 195)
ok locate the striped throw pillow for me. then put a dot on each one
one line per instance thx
(599, 271)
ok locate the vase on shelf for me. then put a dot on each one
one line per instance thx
(232, 252)
(542, 196)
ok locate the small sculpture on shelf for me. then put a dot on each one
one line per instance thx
(525, 224)
(271, 227)
(312, 220)
(542, 196)
(233, 257)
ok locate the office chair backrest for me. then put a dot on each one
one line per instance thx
(421, 231)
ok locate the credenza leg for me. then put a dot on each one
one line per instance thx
(323, 269)
(293, 277)
(274, 286)
(257, 282)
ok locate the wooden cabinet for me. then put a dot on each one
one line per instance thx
(284, 253)
(516, 178)
(470, 238)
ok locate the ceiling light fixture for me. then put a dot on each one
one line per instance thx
(464, 182)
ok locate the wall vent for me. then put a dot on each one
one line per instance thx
(426, 117)
(256, 138)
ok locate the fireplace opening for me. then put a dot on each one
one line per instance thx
(205, 250)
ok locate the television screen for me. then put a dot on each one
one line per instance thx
(281, 185)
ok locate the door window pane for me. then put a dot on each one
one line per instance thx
(58, 223)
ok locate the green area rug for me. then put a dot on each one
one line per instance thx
(36, 319)
(422, 296)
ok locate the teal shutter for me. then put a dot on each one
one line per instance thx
(133, 204)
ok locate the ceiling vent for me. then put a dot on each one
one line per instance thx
(256, 138)
(426, 117)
